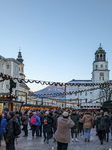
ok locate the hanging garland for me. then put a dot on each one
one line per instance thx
(7, 77)
(64, 93)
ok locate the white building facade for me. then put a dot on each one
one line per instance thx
(100, 74)
(9, 66)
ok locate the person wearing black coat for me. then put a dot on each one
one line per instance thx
(9, 135)
(108, 123)
(54, 124)
(0, 125)
(40, 115)
(101, 126)
(47, 126)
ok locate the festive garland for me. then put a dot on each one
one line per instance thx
(7, 77)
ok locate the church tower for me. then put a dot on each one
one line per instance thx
(21, 67)
(100, 72)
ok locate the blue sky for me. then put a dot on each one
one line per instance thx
(58, 38)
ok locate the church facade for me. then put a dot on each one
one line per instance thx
(100, 74)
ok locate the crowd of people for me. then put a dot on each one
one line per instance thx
(54, 124)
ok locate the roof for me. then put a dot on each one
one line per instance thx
(100, 50)
(91, 104)
(80, 81)
(23, 84)
(83, 81)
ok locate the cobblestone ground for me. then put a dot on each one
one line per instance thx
(26, 143)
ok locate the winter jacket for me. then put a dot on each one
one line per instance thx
(10, 129)
(48, 127)
(54, 124)
(41, 118)
(3, 124)
(62, 133)
(75, 119)
(0, 126)
(25, 119)
(18, 118)
(107, 120)
(38, 122)
(87, 121)
(98, 123)
(80, 124)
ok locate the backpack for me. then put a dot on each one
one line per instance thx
(102, 122)
(17, 127)
(33, 120)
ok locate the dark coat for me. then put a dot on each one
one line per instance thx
(41, 118)
(98, 123)
(10, 129)
(48, 127)
(18, 117)
(75, 119)
(107, 120)
(0, 125)
(54, 124)
(80, 124)
(25, 119)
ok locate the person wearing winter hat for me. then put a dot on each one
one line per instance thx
(62, 134)
(9, 135)
(47, 126)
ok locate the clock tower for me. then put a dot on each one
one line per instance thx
(100, 72)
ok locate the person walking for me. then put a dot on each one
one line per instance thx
(107, 121)
(80, 124)
(47, 126)
(54, 124)
(75, 118)
(101, 126)
(25, 120)
(110, 116)
(88, 122)
(40, 115)
(35, 123)
(4, 122)
(9, 135)
(0, 127)
(62, 134)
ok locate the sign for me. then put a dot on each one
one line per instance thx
(1, 108)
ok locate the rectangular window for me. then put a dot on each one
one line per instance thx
(90, 92)
(7, 86)
(86, 93)
(80, 93)
(75, 94)
(7, 66)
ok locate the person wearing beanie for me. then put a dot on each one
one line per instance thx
(9, 135)
(75, 118)
(62, 134)
(47, 126)
(4, 122)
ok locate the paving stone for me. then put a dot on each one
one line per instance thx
(26, 143)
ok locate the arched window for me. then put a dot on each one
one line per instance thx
(101, 66)
(101, 57)
(97, 57)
